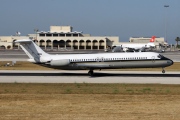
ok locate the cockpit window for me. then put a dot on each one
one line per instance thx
(160, 56)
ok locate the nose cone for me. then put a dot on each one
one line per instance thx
(170, 62)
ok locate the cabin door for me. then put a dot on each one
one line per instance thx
(153, 59)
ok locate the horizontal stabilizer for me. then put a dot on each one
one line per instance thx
(23, 41)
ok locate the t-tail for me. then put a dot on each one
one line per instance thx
(152, 39)
(34, 52)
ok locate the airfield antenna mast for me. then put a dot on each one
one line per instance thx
(166, 6)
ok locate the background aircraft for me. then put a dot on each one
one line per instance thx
(134, 46)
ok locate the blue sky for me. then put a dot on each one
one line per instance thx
(123, 18)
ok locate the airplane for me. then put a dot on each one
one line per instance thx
(134, 46)
(93, 61)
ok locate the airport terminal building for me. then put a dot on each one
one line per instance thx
(62, 37)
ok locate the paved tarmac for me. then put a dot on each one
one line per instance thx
(62, 76)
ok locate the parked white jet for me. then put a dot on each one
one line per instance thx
(135, 47)
(93, 61)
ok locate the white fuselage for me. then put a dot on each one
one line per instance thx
(106, 60)
(105, 56)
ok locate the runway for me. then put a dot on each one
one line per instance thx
(62, 76)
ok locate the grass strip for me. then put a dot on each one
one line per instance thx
(88, 88)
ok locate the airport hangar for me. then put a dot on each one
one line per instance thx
(62, 37)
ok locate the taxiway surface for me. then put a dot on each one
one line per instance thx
(137, 77)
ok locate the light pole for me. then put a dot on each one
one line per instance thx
(166, 6)
(36, 30)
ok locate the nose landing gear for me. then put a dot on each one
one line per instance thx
(163, 71)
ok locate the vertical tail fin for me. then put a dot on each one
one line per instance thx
(152, 39)
(34, 52)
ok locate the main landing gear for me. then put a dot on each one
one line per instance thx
(90, 73)
(163, 71)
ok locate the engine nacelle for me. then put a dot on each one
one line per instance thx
(44, 59)
(32, 60)
(59, 62)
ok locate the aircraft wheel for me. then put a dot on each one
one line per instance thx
(90, 72)
(163, 71)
